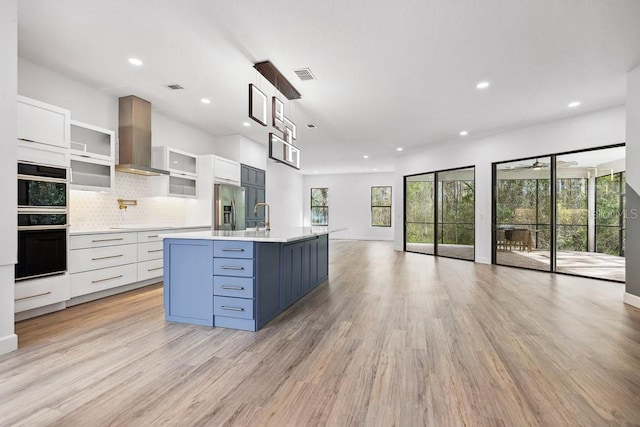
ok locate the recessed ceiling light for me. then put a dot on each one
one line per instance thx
(573, 104)
(135, 61)
(315, 171)
(375, 170)
(399, 149)
(311, 125)
(365, 157)
(482, 85)
(205, 101)
(464, 133)
(246, 124)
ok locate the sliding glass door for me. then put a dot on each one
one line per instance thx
(440, 213)
(420, 213)
(562, 213)
(522, 197)
(456, 213)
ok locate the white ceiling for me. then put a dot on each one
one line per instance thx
(389, 74)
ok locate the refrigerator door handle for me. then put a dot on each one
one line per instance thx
(233, 214)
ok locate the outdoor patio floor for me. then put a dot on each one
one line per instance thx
(588, 264)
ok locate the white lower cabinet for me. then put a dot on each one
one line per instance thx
(109, 256)
(102, 261)
(150, 269)
(34, 293)
(105, 278)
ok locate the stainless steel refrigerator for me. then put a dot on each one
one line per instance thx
(228, 207)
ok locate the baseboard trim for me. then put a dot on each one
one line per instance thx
(631, 299)
(39, 311)
(113, 291)
(8, 343)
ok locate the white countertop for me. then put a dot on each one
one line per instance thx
(76, 231)
(278, 235)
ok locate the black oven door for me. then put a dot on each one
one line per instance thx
(41, 186)
(42, 251)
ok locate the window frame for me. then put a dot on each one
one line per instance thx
(325, 207)
(389, 207)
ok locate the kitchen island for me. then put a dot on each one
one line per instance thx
(241, 279)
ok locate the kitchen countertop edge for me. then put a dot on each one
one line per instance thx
(278, 236)
(108, 230)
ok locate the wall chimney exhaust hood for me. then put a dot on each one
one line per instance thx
(134, 133)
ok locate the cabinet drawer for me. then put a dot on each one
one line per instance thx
(99, 240)
(233, 307)
(232, 249)
(152, 235)
(233, 267)
(36, 293)
(150, 270)
(149, 251)
(241, 287)
(109, 256)
(105, 278)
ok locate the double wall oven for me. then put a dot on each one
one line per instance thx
(43, 193)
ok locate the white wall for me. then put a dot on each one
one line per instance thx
(350, 204)
(168, 132)
(8, 89)
(283, 190)
(596, 129)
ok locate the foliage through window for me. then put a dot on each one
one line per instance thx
(319, 206)
(381, 206)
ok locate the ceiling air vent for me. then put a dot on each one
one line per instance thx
(304, 74)
(175, 86)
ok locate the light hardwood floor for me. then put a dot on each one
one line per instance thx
(391, 339)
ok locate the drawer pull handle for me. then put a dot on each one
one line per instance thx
(225, 307)
(106, 257)
(152, 237)
(107, 240)
(155, 250)
(232, 250)
(233, 288)
(231, 267)
(33, 296)
(108, 278)
(154, 269)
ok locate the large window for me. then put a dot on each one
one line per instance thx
(562, 213)
(440, 213)
(381, 206)
(319, 206)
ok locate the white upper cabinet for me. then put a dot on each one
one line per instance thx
(92, 141)
(92, 157)
(43, 123)
(175, 161)
(183, 173)
(226, 171)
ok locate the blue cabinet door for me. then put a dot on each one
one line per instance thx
(323, 258)
(292, 256)
(188, 281)
(311, 271)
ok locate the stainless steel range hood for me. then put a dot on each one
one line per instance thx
(134, 133)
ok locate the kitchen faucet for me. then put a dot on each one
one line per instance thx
(267, 223)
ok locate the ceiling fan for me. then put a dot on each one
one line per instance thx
(537, 165)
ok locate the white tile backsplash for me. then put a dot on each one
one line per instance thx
(99, 210)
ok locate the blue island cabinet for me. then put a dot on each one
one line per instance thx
(239, 284)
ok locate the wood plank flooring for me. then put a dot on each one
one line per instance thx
(391, 339)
